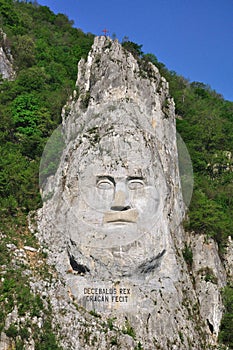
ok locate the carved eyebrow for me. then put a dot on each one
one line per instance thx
(104, 177)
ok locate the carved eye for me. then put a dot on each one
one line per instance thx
(135, 184)
(105, 184)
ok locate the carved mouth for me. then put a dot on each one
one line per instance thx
(121, 217)
(119, 222)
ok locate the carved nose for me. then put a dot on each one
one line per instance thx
(120, 202)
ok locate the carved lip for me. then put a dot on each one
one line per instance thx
(121, 217)
(120, 222)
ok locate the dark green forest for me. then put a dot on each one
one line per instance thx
(46, 49)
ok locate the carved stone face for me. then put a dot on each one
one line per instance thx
(118, 194)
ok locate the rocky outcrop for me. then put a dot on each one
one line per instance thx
(6, 59)
(111, 221)
(228, 259)
(210, 278)
(119, 125)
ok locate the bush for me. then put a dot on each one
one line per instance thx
(226, 334)
(188, 255)
(12, 331)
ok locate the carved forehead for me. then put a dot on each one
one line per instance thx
(129, 154)
(131, 147)
(124, 145)
(117, 115)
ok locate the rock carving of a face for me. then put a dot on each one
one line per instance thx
(119, 192)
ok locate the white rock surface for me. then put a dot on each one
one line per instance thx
(6, 59)
(112, 217)
(228, 259)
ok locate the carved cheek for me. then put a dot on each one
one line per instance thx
(146, 200)
(137, 197)
(106, 195)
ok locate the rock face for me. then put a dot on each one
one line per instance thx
(112, 214)
(6, 59)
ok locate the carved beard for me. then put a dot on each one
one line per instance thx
(140, 256)
(112, 263)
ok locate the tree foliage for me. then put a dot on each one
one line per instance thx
(46, 49)
(133, 48)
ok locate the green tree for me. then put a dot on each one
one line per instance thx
(207, 216)
(24, 114)
(133, 48)
(25, 47)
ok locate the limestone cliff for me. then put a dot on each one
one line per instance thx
(111, 221)
(124, 107)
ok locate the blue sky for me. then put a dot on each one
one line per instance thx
(192, 37)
